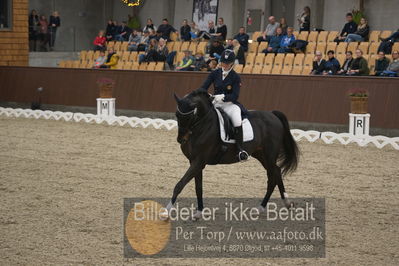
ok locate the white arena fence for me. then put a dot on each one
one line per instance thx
(311, 135)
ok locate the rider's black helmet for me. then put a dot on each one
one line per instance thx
(228, 56)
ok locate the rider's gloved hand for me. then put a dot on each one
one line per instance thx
(218, 98)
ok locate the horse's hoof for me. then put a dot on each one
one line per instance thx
(197, 215)
(164, 215)
(261, 209)
(289, 204)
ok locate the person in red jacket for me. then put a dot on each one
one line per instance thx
(100, 42)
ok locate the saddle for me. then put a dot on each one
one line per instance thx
(227, 128)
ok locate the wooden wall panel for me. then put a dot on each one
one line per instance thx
(316, 99)
(14, 43)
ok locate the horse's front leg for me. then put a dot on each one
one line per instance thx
(198, 191)
(195, 168)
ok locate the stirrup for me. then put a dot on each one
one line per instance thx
(243, 156)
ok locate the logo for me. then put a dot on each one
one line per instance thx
(229, 87)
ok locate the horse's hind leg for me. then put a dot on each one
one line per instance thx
(283, 194)
(271, 180)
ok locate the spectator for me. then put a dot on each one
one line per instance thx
(270, 30)
(359, 66)
(195, 32)
(148, 56)
(33, 30)
(100, 60)
(199, 62)
(123, 32)
(361, 34)
(165, 29)
(221, 30)
(144, 41)
(238, 52)
(216, 50)
(112, 59)
(275, 41)
(347, 64)
(349, 27)
(100, 42)
(387, 43)
(283, 25)
(43, 33)
(54, 23)
(242, 38)
(185, 31)
(229, 44)
(150, 26)
(162, 51)
(110, 31)
(186, 62)
(319, 64)
(286, 41)
(212, 65)
(332, 64)
(134, 40)
(304, 20)
(393, 68)
(211, 30)
(381, 63)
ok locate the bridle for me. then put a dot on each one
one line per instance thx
(192, 121)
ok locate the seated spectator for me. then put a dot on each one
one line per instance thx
(238, 52)
(269, 31)
(199, 62)
(134, 40)
(332, 64)
(229, 44)
(112, 59)
(212, 65)
(165, 29)
(208, 34)
(349, 27)
(161, 51)
(186, 62)
(393, 68)
(110, 31)
(150, 26)
(242, 38)
(216, 50)
(275, 42)
(148, 56)
(195, 32)
(221, 31)
(359, 66)
(319, 64)
(381, 63)
(347, 64)
(144, 41)
(286, 41)
(361, 34)
(185, 31)
(387, 43)
(100, 60)
(283, 25)
(100, 42)
(123, 32)
(304, 20)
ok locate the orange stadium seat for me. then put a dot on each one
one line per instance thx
(238, 68)
(321, 47)
(125, 56)
(278, 61)
(341, 48)
(202, 47)
(82, 55)
(173, 36)
(341, 58)
(296, 70)
(269, 60)
(395, 46)
(135, 66)
(127, 66)
(250, 59)
(247, 69)
(276, 70)
(364, 46)
(266, 70)
(151, 66)
(90, 55)
(193, 47)
(306, 70)
(374, 35)
(124, 46)
(177, 46)
(160, 66)
(75, 64)
(170, 45)
(179, 56)
(313, 36)
(331, 46)
(310, 48)
(332, 35)
(322, 37)
(117, 46)
(133, 57)
(253, 47)
(298, 61)
(262, 46)
(288, 61)
(286, 71)
(184, 46)
(259, 59)
(303, 35)
(255, 35)
(143, 66)
(296, 34)
(374, 47)
(257, 69)
(308, 62)
(385, 34)
(62, 63)
(352, 46)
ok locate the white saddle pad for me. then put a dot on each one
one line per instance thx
(248, 133)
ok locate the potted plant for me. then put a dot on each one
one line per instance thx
(106, 86)
(359, 101)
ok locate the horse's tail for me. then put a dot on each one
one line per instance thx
(289, 156)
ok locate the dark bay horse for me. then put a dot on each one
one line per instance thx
(199, 136)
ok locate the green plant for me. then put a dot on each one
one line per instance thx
(357, 15)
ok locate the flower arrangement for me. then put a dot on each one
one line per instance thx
(357, 15)
(358, 93)
(106, 82)
(106, 86)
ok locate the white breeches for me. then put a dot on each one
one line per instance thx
(233, 111)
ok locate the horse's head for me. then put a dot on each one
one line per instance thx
(190, 109)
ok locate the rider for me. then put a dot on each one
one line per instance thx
(227, 90)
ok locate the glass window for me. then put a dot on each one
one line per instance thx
(5, 14)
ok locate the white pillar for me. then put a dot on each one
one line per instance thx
(106, 107)
(359, 124)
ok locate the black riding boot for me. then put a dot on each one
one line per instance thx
(242, 155)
